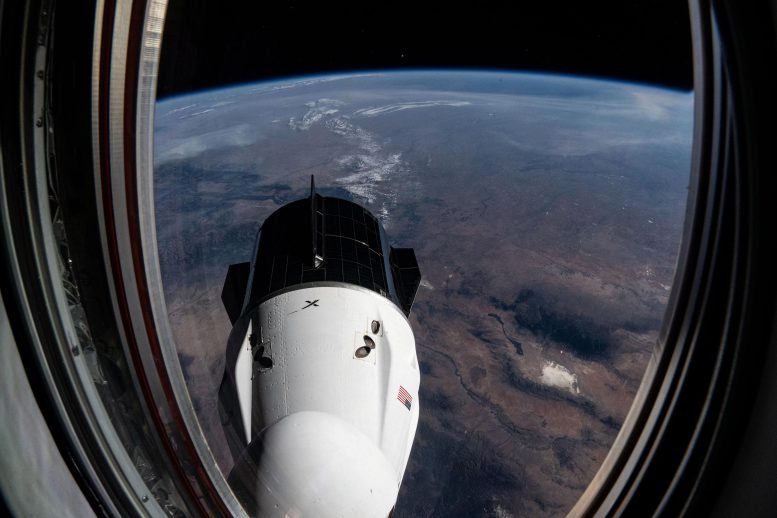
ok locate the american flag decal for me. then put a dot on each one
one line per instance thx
(404, 397)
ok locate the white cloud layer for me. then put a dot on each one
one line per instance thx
(397, 107)
(190, 146)
(557, 376)
(367, 170)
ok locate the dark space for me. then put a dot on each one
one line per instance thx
(208, 44)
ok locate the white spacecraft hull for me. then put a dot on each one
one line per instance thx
(319, 400)
(311, 336)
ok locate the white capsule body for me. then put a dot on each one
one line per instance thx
(334, 366)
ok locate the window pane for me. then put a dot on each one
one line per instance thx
(546, 214)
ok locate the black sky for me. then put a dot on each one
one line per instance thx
(208, 43)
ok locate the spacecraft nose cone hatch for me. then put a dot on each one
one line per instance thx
(314, 464)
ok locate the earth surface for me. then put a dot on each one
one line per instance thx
(546, 213)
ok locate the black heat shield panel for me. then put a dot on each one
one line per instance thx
(235, 285)
(319, 239)
(407, 276)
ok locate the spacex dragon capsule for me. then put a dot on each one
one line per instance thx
(319, 399)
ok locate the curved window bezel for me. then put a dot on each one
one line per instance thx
(695, 396)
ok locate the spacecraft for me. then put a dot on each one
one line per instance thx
(319, 399)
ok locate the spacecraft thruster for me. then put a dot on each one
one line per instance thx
(319, 399)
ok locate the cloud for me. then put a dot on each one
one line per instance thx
(558, 376)
(656, 106)
(370, 170)
(367, 169)
(190, 146)
(391, 108)
(615, 118)
(317, 110)
(306, 82)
